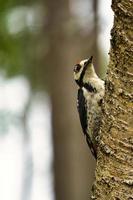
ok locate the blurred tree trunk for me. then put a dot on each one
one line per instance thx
(27, 154)
(95, 47)
(71, 159)
(114, 173)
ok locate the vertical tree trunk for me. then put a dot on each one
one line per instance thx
(114, 172)
(95, 35)
(27, 154)
(70, 156)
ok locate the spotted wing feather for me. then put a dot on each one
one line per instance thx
(82, 109)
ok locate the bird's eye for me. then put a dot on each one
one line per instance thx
(77, 68)
(85, 63)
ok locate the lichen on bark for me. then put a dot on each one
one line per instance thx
(114, 171)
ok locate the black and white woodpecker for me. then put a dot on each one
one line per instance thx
(89, 101)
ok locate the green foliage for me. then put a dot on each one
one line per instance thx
(8, 4)
(18, 35)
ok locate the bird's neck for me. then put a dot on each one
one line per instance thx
(90, 73)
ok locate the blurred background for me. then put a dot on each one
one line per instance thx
(43, 154)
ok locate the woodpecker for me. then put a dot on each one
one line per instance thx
(89, 100)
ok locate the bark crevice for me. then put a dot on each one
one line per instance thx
(114, 174)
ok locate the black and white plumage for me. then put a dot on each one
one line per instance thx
(89, 100)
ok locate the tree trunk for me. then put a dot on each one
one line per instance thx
(71, 160)
(27, 154)
(95, 47)
(114, 172)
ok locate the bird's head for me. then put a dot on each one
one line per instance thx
(83, 71)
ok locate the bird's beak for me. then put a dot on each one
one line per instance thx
(89, 61)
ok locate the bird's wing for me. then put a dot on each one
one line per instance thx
(82, 109)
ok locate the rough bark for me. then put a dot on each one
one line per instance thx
(114, 172)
